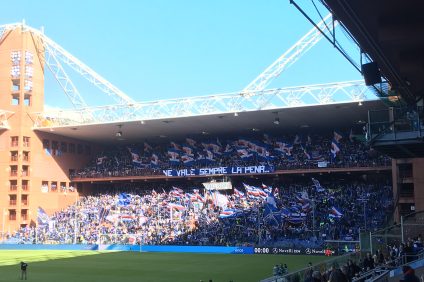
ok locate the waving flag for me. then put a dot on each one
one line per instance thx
(226, 213)
(42, 217)
(187, 160)
(283, 148)
(238, 193)
(154, 160)
(100, 160)
(337, 136)
(244, 154)
(335, 148)
(176, 206)
(147, 147)
(191, 142)
(188, 150)
(124, 199)
(335, 213)
(174, 156)
(317, 185)
(136, 160)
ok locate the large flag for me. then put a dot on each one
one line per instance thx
(188, 150)
(42, 217)
(220, 200)
(227, 213)
(176, 146)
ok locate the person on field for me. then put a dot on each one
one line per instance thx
(24, 267)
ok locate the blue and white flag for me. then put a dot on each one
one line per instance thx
(174, 156)
(244, 154)
(135, 156)
(124, 199)
(187, 160)
(317, 185)
(334, 212)
(154, 160)
(42, 217)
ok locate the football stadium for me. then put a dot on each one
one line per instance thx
(316, 182)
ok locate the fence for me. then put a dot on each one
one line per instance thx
(301, 275)
(411, 226)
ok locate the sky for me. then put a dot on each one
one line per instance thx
(168, 49)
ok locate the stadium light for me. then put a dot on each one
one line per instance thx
(277, 121)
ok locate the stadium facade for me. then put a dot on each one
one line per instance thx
(37, 159)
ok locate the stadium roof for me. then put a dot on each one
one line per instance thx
(298, 119)
(391, 32)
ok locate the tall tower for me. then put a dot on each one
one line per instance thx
(34, 166)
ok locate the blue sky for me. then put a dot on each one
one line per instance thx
(166, 49)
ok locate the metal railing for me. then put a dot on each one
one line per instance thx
(399, 123)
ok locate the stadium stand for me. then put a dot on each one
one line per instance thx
(332, 150)
(291, 213)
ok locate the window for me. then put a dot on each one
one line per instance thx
(15, 71)
(13, 170)
(24, 200)
(12, 200)
(15, 99)
(16, 57)
(63, 186)
(55, 147)
(72, 187)
(24, 214)
(53, 186)
(25, 170)
(16, 85)
(46, 144)
(14, 141)
(13, 185)
(26, 156)
(25, 185)
(26, 141)
(71, 148)
(44, 186)
(29, 70)
(14, 156)
(27, 100)
(79, 149)
(29, 58)
(64, 147)
(12, 214)
(28, 85)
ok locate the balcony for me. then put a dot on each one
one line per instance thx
(397, 132)
(25, 187)
(13, 173)
(13, 188)
(14, 158)
(12, 202)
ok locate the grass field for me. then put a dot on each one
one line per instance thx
(79, 266)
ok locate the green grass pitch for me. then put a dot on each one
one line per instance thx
(81, 266)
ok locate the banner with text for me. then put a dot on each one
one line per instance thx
(220, 170)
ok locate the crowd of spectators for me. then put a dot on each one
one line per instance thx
(284, 215)
(283, 153)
